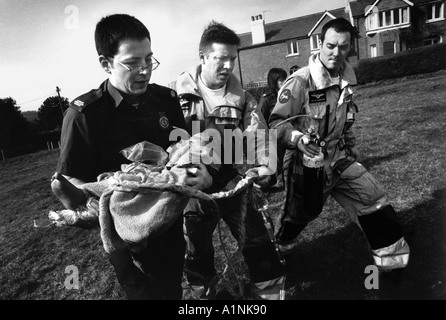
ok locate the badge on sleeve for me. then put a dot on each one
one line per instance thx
(285, 96)
(163, 121)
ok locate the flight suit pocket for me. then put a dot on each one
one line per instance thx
(359, 184)
(318, 118)
(318, 109)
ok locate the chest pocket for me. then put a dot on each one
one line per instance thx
(318, 108)
(224, 117)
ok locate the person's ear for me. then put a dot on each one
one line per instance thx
(105, 64)
(201, 55)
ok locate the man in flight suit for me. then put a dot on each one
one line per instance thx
(322, 93)
(213, 98)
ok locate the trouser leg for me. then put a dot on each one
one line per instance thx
(383, 231)
(157, 273)
(295, 217)
(286, 163)
(364, 200)
(199, 265)
(267, 273)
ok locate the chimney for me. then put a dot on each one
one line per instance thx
(347, 6)
(257, 29)
(348, 11)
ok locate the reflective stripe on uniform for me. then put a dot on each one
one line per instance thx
(392, 257)
(271, 289)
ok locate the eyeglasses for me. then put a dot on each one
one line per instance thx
(153, 64)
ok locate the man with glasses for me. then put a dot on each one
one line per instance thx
(122, 112)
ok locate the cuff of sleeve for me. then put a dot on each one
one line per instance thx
(293, 138)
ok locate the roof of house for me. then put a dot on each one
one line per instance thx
(299, 27)
(358, 6)
(290, 29)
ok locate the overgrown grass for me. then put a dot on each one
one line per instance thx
(401, 135)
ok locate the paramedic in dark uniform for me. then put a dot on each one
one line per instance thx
(123, 111)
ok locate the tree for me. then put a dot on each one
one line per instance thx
(14, 129)
(49, 115)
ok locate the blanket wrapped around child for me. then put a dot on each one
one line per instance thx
(142, 200)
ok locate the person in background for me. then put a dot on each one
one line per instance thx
(276, 77)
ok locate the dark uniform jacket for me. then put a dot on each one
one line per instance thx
(267, 103)
(100, 123)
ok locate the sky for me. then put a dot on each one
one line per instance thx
(46, 44)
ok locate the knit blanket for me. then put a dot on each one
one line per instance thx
(137, 206)
(141, 201)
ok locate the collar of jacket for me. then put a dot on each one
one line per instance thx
(118, 97)
(187, 85)
(321, 77)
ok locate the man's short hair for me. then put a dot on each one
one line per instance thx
(340, 25)
(113, 29)
(217, 32)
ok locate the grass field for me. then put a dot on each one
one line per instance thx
(401, 135)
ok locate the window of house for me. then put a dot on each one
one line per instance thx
(292, 47)
(381, 20)
(396, 17)
(434, 39)
(387, 18)
(373, 51)
(404, 15)
(315, 45)
(372, 19)
(388, 47)
(435, 11)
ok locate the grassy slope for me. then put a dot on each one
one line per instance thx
(401, 133)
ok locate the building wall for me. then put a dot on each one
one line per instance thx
(439, 27)
(363, 42)
(256, 62)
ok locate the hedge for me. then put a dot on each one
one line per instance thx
(420, 60)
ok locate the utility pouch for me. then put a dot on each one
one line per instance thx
(343, 163)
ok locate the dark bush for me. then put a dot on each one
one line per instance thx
(414, 61)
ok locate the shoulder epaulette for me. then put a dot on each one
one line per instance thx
(164, 91)
(86, 99)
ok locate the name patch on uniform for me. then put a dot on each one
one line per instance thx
(164, 122)
(317, 96)
(285, 96)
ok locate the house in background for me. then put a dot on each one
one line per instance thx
(392, 26)
(384, 26)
